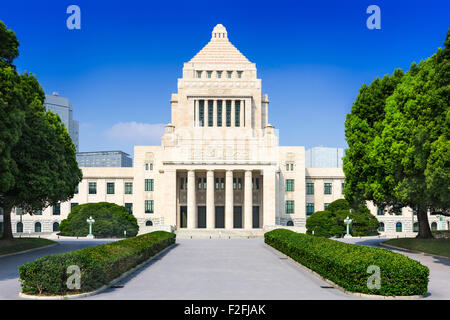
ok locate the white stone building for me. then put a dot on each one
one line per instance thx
(219, 166)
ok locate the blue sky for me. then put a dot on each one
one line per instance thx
(120, 69)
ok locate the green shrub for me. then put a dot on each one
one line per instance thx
(98, 265)
(110, 221)
(330, 223)
(324, 224)
(346, 264)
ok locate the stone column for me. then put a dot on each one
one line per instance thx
(269, 197)
(248, 200)
(224, 113)
(210, 210)
(229, 199)
(214, 113)
(191, 202)
(232, 113)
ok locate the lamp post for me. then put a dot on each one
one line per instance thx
(91, 222)
(348, 221)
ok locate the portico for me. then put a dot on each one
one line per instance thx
(220, 198)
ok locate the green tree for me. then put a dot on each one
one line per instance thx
(45, 170)
(330, 223)
(110, 221)
(402, 156)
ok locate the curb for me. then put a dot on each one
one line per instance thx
(97, 291)
(357, 294)
(412, 251)
(29, 250)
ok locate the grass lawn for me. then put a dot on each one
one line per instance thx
(21, 244)
(433, 246)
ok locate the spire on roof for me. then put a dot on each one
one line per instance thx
(219, 32)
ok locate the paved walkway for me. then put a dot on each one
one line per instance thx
(439, 284)
(9, 275)
(221, 269)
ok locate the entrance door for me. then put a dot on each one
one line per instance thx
(183, 216)
(256, 217)
(201, 217)
(220, 217)
(237, 217)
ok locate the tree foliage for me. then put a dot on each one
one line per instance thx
(37, 155)
(110, 221)
(398, 137)
(330, 223)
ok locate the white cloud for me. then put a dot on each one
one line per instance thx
(136, 133)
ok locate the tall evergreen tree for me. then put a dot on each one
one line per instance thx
(399, 147)
(44, 169)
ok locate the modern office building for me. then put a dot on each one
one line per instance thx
(62, 107)
(323, 157)
(104, 159)
(219, 168)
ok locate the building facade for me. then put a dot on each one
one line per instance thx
(104, 159)
(62, 107)
(219, 165)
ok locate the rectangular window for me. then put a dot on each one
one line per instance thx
(325, 206)
(292, 167)
(257, 183)
(228, 113)
(110, 187)
(92, 187)
(128, 187)
(239, 74)
(342, 187)
(148, 206)
(57, 209)
(237, 113)
(199, 180)
(310, 188)
(309, 209)
(199, 74)
(289, 206)
(219, 74)
(239, 183)
(229, 73)
(219, 113)
(148, 184)
(201, 112)
(217, 184)
(327, 188)
(38, 213)
(380, 211)
(208, 74)
(181, 183)
(287, 166)
(151, 166)
(234, 183)
(210, 113)
(73, 205)
(129, 207)
(146, 166)
(76, 190)
(222, 183)
(289, 184)
(204, 183)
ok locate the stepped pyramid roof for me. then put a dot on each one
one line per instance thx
(219, 50)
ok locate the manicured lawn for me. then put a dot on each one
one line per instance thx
(22, 244)
(433, 246)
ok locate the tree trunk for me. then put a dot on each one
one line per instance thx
(424, 225)
(7, 230)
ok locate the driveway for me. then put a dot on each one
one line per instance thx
(9, 275)
(439, 284)
(221, 269)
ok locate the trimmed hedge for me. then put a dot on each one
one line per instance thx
(98, 265)
(346, 264)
